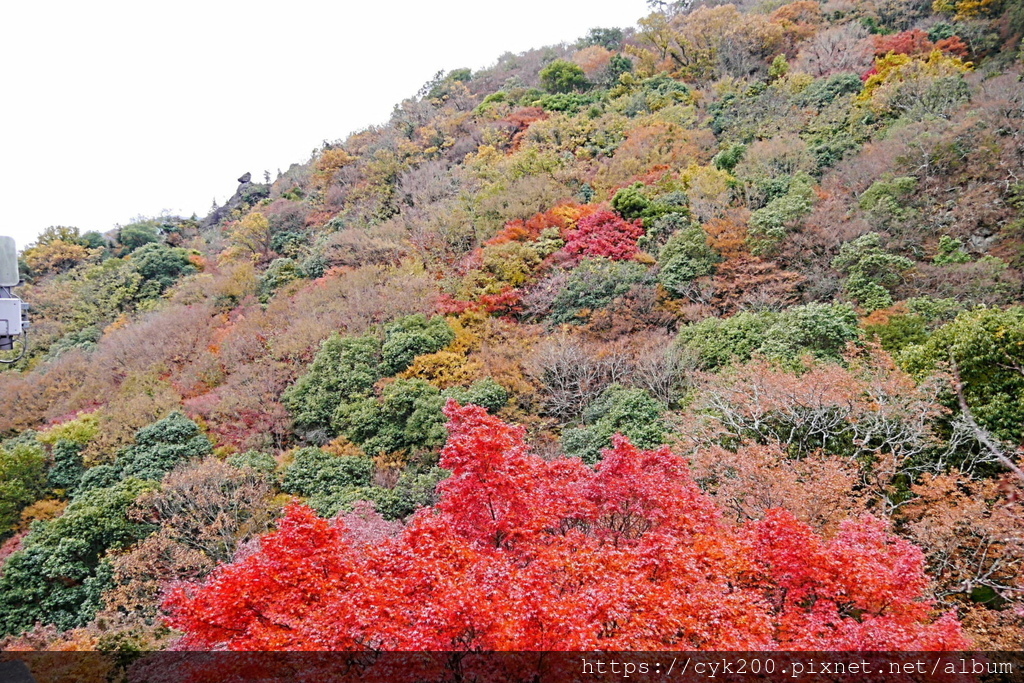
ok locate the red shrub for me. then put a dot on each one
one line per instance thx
(606, 234)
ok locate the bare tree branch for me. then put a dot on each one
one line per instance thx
(980, 432)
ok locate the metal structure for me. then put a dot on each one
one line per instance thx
(13, 311)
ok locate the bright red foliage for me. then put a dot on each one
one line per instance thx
(913, 42)
(529, 554)
(530, 229)
(916, 42)
(507, 302)
(604, 233)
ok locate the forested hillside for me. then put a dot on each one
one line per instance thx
(373, 401)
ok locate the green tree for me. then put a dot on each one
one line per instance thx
(608, 38)
(280, 272)
(60, 574)
(415, 489)
(987, 346)
(561, 76)
(822, 330)
(261, 462)
(634, 202)
(951, 250)
(138, 235)
(344, 370)
(22, 479)
(871, 271)
(486, 393)
(161, 446)
(685, 257)
(618, 410)
(728, 157)
(406, 419)
(314, 473)
(770, 224)
(617, 66)
(412, 336)
(592, 285)
(631, 202)
(161, 266)
(94, 240)
(888, 201)
(67, 469)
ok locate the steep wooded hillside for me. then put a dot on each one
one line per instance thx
(778, 247)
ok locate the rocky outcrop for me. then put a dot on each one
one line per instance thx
(247, 194)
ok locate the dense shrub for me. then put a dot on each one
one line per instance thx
(413, 336)
(161, 266)
(23, 466)
(68, 467)
(407, 418)
(314, 472)
(344, 370)
(592, 285)
(822, 330)
(604, 234)
(161, 446)
(685, 257)
(618, 410)
(60, 574)
(770, 224)
(871, 271)
(261, 462)
(561, 76)
(987, 346)
(136, 235)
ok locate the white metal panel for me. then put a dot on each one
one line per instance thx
(8, 262)
(10, 316)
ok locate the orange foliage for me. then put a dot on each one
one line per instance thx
(971, 532)
(819, 490)
(593, 59)
(748, 282)
(520, 120)
(728, 235)
(798, 20)
(563, 217)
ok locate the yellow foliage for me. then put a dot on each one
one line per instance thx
(141, 399)
(965, 9)
(709, 190)
(894, 68)
(570, 212)
(485, 163)
(224, 452)
(57, 256)
(443, 369)
(328, 165)
(467, 327)
(333, 159)
(250, 237)
(342, 447)
(388, 468)
(81, 430)
(240, 281)
(41, 511)
(451, 366)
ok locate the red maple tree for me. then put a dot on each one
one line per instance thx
(604, 233)
(523, 553)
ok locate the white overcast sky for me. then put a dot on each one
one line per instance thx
(112, 110)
